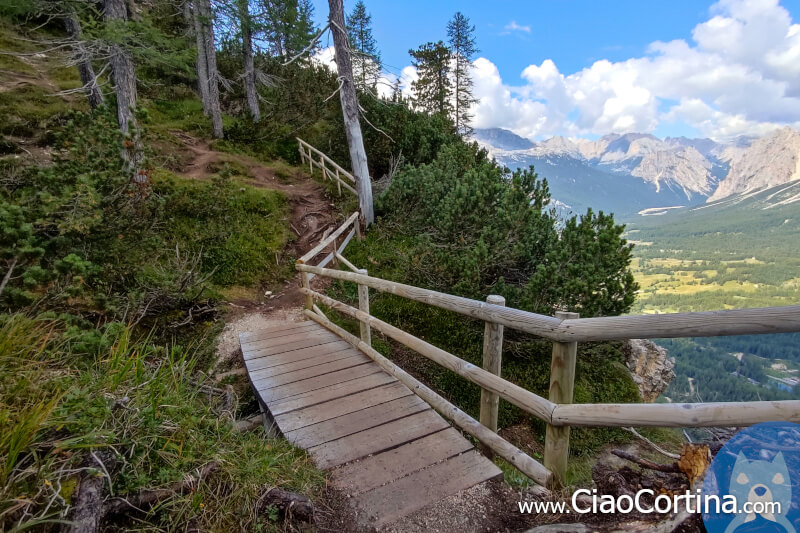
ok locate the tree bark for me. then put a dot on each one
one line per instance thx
(203, 8)
(249, 66)
(193, 17)
(84, 60)
(122, 69)
(87, 505)
(347, 95)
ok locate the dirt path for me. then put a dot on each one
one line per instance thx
(311, 212)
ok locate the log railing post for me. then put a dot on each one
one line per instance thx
(562, 387)
(305, 280)
(492, 362)
(363, 305)
(310, 162)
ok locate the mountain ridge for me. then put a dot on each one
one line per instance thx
(676, 171)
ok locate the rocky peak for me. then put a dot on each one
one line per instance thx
(770, 161)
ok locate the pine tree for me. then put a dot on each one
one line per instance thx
(462, 45)
(290, 26)
(366, 57)
(247, 27)
(432, 90)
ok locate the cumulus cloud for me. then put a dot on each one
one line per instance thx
(740, 74)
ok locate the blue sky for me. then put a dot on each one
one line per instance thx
(564, 39)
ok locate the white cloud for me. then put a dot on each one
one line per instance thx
(739, 75)
(513, 26)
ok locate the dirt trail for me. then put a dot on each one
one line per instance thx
(311, 213)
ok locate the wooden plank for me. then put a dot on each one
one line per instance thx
(330, 393)
(310, 372)
(320, 359)
(306, 342)
(319, 382)
(385, 504)
(342, 406)
(261, 334)
(372, 472)
(360, 411)
(266, 344)
(376, 439)
(297, 355)
(348, 424)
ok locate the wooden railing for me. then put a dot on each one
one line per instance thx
(565, 330)
(330, 169)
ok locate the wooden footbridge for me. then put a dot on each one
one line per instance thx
(326, 396)
(383, 434)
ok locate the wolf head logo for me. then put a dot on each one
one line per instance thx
(762, 482)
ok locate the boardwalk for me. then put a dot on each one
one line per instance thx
(382, 444)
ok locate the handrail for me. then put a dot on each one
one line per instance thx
(697, 324)
(312, 253)
(327, 159)
(565, 333)
(607, 415)
(522, 398)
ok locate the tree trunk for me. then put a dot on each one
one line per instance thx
(122, 70)
(84, 60)
(249, 67)
(347, 95)
(204, 12)
(123, 73)
(193, 18)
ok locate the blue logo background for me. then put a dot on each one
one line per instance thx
(759, 463)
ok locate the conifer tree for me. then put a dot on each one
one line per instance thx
(461, 38)
(366, 57)
(289, 26)
(247, 28)
(432, 90)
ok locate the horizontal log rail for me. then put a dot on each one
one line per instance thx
(327, 159)
(522, 398)
(564, 332)
(522, 461)
(335, 173)
(700, 324)
(312, 253)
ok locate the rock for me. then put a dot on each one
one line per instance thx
(770, 161)
(650, 367)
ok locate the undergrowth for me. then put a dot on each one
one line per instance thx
(147, 404)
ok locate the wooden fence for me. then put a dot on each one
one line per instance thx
(330, 169)
(565, 330)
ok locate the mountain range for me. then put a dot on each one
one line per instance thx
(638, 173)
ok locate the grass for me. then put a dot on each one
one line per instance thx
(30, 110)
(143, 401)
(240, 231)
